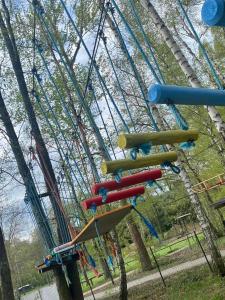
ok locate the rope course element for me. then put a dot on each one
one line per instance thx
(139, 140)
(213, 13)
(116, 166)
(164, 94)
(158, 77)
(209, 184)
(113, 197)
(107, 186)
(203, 49)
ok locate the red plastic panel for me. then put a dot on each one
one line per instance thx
(112, 197)
(127, 181)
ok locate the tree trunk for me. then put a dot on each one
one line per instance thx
(208, 197)
(62, 287)
(217, 261)
(46, 165)
(183, 62)
(75, 286)
(36, 205)
(123, 294)
(5, 273)
(45, 161)
(134, 232)
(142, 252)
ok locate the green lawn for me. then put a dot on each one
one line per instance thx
(132, 262)
(195, 284)
(169, 248)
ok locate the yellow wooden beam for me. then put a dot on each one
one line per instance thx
(127, 141)
(141, 162)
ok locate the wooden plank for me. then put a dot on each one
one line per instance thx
(105, 222)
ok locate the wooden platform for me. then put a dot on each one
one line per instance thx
(105, 222)
(42, 268)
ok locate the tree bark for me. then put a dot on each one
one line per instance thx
(183, 63)
(75, 286)
(217, 261)
(123, 294)
(5, 272)
(134, 232)
(45, 161)
(142, 252)
(36, 205)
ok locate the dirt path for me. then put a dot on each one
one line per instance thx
(167, 272)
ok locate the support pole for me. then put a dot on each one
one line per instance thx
(203, 251)
(158, 267)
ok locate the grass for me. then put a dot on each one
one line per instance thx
(195, 284)
(172, 247)
(165, 261)
(132, 263)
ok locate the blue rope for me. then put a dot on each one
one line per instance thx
(59, 148)
(136, 41)
(66, 110)
(148, 224)
(144, 148)
(101, 79)
(102, 119)
(146, 38)
(40, 12)
(136, 73)
(160, 79)
(168, 164)
(117, 80)
(61, 131)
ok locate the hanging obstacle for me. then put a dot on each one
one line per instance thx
(126, 181)
(171, 94)
(106, 222)
(113, 197)
(213, 12)
(115, 166)
(127, 141)
(209, 184)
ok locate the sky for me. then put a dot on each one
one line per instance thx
(15, 192)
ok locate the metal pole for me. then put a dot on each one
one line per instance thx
(187, 233)
(200, 245)
(88, 281)
(156, 262)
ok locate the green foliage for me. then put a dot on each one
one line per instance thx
(24, 256)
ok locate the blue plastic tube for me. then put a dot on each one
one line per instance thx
(213, 12)
(172, 94)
